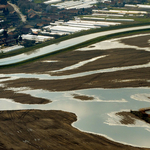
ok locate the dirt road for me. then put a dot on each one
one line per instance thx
(16, 8)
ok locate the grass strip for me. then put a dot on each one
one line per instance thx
(81, 45)
(24, 50)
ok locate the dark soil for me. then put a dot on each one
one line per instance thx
(142, 41)
(127, 117)
(22, 98)
(82, 97)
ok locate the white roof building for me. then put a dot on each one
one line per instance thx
(66, 29)
(120, 11)
(76, 4)
(52, 1)
(1, 31)
(143, 6)
(37, 38)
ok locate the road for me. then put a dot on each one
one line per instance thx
(16, 8)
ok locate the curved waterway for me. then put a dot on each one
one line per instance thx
(63, 44)
(97, 115)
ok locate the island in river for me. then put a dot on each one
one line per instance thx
(51, 129)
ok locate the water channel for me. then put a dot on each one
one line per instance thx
(95, 116)
(64, 44)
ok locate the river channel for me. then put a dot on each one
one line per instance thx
(63, 44)
(96, 115)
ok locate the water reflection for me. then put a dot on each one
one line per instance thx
(114, 44)
(94, 116)
(50, 77)
(64, 44)
(81, 63)
(33, 52)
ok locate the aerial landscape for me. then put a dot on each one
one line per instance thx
(74, 74)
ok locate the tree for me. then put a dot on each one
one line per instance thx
(6, 11)
(3, 2)
(13, 1)
(28, 43)
(5, 34)
(16, 41)
(20, 39)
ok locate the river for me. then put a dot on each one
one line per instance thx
(95, 116)
(62, 45)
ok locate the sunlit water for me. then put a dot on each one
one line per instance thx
(96, 116)
(62, 45)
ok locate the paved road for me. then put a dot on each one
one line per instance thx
(16, 8)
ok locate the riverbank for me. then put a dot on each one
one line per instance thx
(80, 44)
(117, 57)
(36, 129)
(31, 129)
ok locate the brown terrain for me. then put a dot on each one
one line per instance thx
(52, 130)
(49, 130)
(82, 97)
(127, 117)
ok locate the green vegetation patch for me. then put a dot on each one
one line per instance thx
(12, 53)
(39, 1)
(81, 45)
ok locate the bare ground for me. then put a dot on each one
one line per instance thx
(49, 130)
(82, 97)
(142, 41)
(22, 98)
(127, 117)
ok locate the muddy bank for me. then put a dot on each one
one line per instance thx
(50, 130)
(82, 97)
(36, 129)
(114, 58)
(22, 98)
(142, 41)
(118, 79)
(127, 118)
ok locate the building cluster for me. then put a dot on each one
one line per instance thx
(74, 4)
(35, 20)
(121, 3)
(60, 19)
